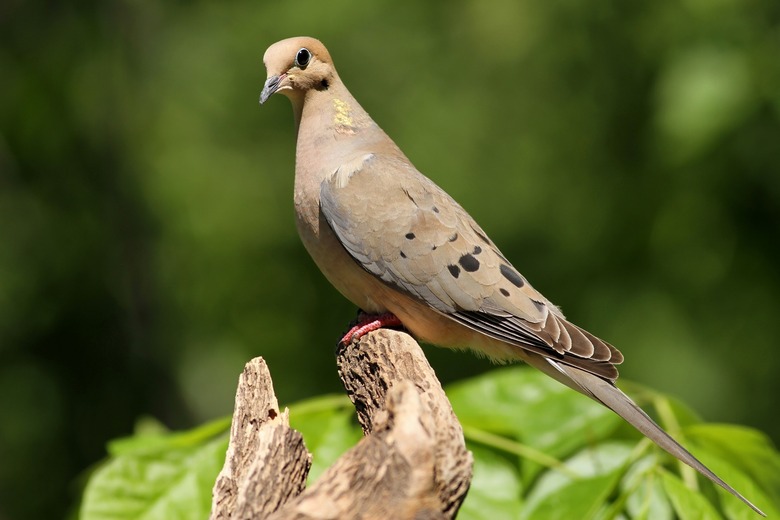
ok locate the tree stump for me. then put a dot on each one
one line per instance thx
(412, 463)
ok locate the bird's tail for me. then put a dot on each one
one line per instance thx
(614, 399)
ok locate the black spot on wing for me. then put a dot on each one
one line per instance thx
(403, 255)
(504, 292)
(511, 275)
(453, 237)
(468, 262)
(454, 270)
(477, 250)
(410, 236)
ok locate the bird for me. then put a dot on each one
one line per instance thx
(406, 253)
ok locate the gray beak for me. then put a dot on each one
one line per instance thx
(271, 86)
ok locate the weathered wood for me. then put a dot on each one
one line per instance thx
(412, 464)
(381, 360)
(266, 462)
(388, 474)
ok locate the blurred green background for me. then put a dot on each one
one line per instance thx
(625, 156)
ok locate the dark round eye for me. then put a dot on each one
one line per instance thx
(302, 58)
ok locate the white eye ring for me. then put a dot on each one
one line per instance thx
(302, 58)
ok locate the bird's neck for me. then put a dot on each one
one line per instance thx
(332, 115)
(333, 129)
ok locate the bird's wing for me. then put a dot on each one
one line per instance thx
(401, 227)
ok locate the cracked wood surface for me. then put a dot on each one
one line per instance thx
(412, 463)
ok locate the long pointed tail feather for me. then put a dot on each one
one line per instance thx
(614, 399)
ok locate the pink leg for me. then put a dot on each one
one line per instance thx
(368, 322)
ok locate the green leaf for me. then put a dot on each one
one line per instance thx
(649, 501)
(566, 421)
(526, 404)
(733, 507)
(151, 436)
(542, 412)
(689, 504)
(495, 490)
(328, 427)
(521, 427)
(641, 491)
(157, 479)
(557, 495)
(517, 403)
(648, 398)
(747, 449)
(582, 498)
(510, 446)
(498, 401)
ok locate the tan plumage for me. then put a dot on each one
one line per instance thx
(391, 240)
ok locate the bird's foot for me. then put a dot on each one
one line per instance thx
(370, 322)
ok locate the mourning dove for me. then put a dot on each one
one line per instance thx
(403, 251)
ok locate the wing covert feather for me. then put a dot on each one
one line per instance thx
(422, 242)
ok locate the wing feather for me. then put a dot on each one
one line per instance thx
(424, 244)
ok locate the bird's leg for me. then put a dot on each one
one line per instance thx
(369, 322)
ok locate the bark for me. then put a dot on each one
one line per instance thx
(412, 463)
(267, 462)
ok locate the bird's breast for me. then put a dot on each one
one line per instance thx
(331, 258)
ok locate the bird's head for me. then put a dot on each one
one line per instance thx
(296, 66)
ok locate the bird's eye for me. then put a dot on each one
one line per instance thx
(302, 58)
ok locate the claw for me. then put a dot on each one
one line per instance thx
(370, 322)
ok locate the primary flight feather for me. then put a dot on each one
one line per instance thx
(395, 244)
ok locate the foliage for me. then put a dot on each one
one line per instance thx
(541, 451)
(623, 155)
(158, 474)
